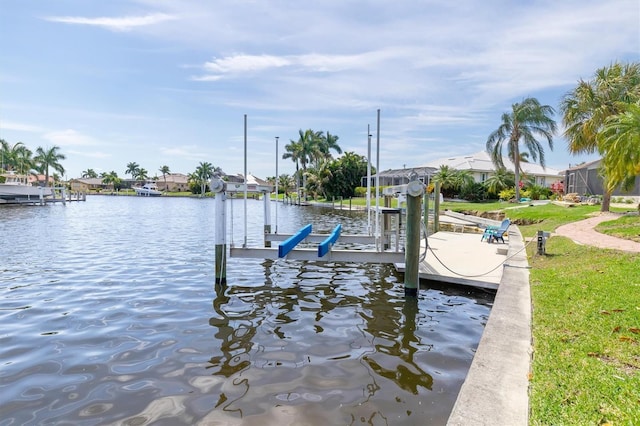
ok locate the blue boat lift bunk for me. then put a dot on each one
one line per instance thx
(288, 248)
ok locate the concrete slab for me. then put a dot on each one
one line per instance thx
(461, 258)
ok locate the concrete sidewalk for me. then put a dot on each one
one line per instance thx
(582, 232)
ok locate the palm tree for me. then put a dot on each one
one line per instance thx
(501, 179)
(620, 143)
(446, 176)
(525, 120)
(133, 169)
(16, 157)
(329, 142)
(587, 108)
(165, 171)
(111, 178)
(463, 178)
(319, 177)
(23, 159)
(203, 174)
(285, 184)
(142, 174)
(89, 173)
(293, 150)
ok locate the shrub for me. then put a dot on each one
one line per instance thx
(507, 194)
(474, 192)
(360, 191)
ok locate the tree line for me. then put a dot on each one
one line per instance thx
(198, 180)
(20, 159)
(600, 115)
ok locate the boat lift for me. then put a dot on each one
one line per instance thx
(409, 255)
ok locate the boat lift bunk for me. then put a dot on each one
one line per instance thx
(288, 247)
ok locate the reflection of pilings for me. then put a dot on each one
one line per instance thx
(236, 339)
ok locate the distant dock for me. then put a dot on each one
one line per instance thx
(60, 195)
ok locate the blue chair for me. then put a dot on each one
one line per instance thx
(492, 233)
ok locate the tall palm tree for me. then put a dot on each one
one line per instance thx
(591, 103)
(89, 173)
(165, 171)
(293, 150)
(143, 174)
(133, 169)
(330, 142)
(620, 143)
(49, 158)
(526, 120)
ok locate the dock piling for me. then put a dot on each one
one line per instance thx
(218, 187)
(415, 190)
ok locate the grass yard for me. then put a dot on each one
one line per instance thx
(627, 227)
(586, 320)
(586, 336)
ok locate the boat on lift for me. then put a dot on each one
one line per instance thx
(16, 187)
(149, 189)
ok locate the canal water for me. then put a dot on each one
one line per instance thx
(109, 315)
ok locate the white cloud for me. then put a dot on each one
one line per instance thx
(125, 23)
(91, 154)
(22, 127)
(69, 137)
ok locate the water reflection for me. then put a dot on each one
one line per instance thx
(330, 334)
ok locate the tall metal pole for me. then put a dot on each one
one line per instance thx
(378, 180)
(244, 243)
(368, 180)
(277, 180)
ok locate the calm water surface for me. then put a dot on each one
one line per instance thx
(109, 315)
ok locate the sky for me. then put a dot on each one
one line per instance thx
(166, 82)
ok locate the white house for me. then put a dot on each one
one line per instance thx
(481, 167)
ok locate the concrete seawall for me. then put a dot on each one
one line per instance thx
(495, 391)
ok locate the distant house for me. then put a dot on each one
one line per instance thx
(235, 183)
(173, 182)
(585, 179)
(481, 168)
(393, 177)
(89, 184)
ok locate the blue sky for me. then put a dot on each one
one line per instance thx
(165, 82)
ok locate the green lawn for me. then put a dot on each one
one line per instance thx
(586, 320)
(586, 335)
(627, 227)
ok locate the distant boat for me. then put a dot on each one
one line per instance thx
(149, 189)
(15, 187)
